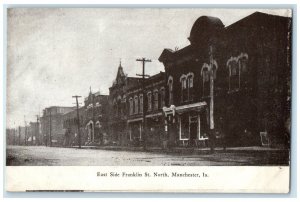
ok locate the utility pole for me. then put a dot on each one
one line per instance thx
(14, 136)
(144, 135)
(25, 132)
(211, 111)
(19, 135)
(50, 127)
(93, 117)
(37, 136)
(78, 122)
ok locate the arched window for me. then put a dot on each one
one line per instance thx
(149, 95)
(130, 106)
(184, 96)
(243, 60)
(237, 69)
(136, 104)
(155, 97)
(124, 106)
(120, 108)
(162, 97)
(233, 68)
(115, 107)
(141, 103)
(205, 80)
(190, 86)
(170, 86)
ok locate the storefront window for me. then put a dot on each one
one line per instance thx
(184, 127)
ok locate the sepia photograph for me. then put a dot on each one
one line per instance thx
(149, 87)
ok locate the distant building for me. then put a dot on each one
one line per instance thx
(21, 131)
(34, 137)
(11, 136)
(70, 125)
(52, 125)
(93, 121)
(96, 117)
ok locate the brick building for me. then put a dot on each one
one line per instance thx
(230, 82)
(52, 125)
(154, 102)
(96, 117)
(118, 103)
(93, 121)
(70, 125)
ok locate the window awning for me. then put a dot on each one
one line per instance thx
(190, 107)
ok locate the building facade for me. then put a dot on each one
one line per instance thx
(93, 124)
(52, 125)
(70, 125)
(96, 118)
(152, 104)
(118, 103)
(230, 83)
(34, 137)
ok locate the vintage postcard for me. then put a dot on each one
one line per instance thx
(148, 100)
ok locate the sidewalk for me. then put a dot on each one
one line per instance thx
(186, 150)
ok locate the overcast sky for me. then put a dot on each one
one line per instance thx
(56, 53)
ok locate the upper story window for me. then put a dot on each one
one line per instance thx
(115, 107)
(205, 80)
(162, 97)
(119, 106)
(136, 104)
(149, 95)
(187, 84)
(237, 69)
(155, 97)
(141, 103)
(207, 71)
(190, 85)
(243, 61)
(170, 86)
(124, 107)
(183, 88)
(130, 106)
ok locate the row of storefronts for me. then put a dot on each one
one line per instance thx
(230, 86)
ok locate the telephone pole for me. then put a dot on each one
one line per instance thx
(37, 136)
(78, 122)
(50, 127)
(211, 103)
(14, 136)
(25, 132)
(144, 135)
(19, 135)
